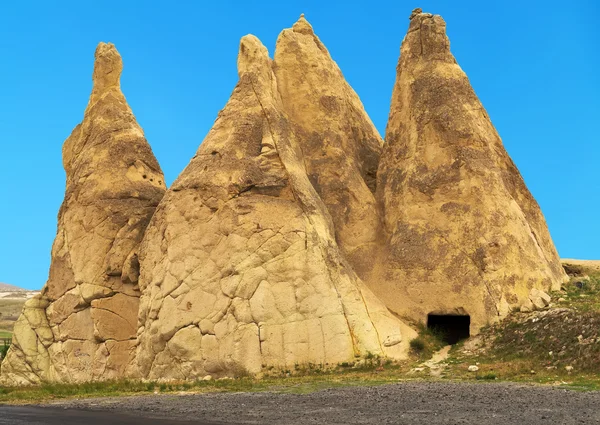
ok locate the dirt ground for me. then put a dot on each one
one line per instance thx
(403, 403)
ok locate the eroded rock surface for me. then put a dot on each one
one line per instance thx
(463, 235)
(295, 235)
(240, 267)
(83, 324)
(339, 143)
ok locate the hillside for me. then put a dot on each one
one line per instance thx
(5, 287)
(558, 344)
(593, 265)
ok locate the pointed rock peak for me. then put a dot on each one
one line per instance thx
(252, 55)
(415, 12)
(107, 67)
(302, 26)
(426, 37)
(441, 151)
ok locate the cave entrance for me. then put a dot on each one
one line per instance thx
(451, 328)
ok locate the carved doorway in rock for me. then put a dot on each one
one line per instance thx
(451, 328)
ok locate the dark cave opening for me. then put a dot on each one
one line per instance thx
(451, 328)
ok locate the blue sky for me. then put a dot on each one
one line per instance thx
(534, 65)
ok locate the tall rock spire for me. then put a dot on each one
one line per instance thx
(240, 264)
(83, 325)
(339, 143)
(107, 71)
(463, 233)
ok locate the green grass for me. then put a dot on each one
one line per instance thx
(582, 294)
(428, 342)
(304, 381)
(301, 383)
(417, 344)
(583, 385)
(490, 376)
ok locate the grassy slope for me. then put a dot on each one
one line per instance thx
(560, 345)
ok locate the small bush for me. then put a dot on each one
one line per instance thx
(488, 376)
(417, 344)
(3, 350)
(239, 371)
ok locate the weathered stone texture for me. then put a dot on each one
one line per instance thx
(294, 235)
(240, 264)
(83, 324)
(463, 235)
(339, 143)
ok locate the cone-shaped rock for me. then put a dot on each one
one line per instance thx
(339, 143)
(464, 235)
(240, 267)
(83, 325)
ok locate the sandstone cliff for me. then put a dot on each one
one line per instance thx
(240, 264)
(463, 235)
(83, 324)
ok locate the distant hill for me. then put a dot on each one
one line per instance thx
(590, 264)
(5, 287)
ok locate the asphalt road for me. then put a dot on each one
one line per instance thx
(422, 403)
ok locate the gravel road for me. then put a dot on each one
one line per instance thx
(404, 403)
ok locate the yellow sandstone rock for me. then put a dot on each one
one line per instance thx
(240, 266)
(83, 324)
(295, 234)
(462, 234)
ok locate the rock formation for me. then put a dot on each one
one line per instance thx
(339, 143)
(83, 324)
(463, 235)
(240, 267)
(295, 235)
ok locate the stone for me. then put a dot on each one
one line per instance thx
(461, 232)
(473, 368)
(539, 298)
(243, 265)
(525, 309)
(527, 306)
(83, 324)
